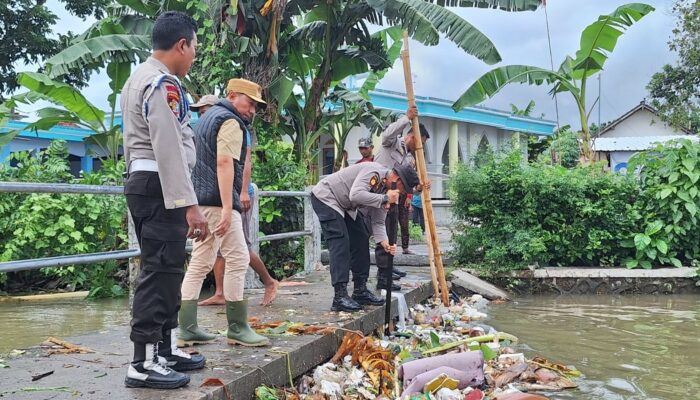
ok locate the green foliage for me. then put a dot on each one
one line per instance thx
(26, 37)
(414, 231)
(675, 91)
(597, 41)
(563, 149)
(669, 233)
(40, 225)
(514, 214)
(275, 168)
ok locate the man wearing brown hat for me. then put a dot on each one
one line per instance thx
(222, 136)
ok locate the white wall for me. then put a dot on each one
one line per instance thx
(642, 123)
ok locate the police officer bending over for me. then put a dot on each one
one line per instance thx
(160, 155)
(339, 201)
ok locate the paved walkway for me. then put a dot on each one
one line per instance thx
(100, 375)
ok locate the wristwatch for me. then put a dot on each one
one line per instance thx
(385, 199)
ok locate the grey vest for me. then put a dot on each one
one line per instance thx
(204, 177)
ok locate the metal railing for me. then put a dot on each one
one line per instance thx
(311, 232)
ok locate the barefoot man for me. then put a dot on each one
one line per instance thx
(271, 284)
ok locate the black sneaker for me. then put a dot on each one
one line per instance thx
(397, 272)
(182, 361)
(149, 374)
(171, 356)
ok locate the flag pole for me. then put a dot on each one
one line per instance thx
(437, 269)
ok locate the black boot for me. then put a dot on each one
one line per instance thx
(150, 373)
(398, 272)
(382, 284)
(176, 358)
(343, 302)
(364, 296)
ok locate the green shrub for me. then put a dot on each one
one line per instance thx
(669, 231)
(38, 225)
(415, 232)
(515, 214)
(275, 169)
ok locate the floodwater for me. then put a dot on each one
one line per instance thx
(632, 348)
(28, 323)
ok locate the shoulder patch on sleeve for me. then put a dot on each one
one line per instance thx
(374, 181)
(172, 94)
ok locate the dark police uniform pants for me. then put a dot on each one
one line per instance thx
(162, 234)
(348, 243)
(403, 221)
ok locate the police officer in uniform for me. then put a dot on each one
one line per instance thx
(396, 149)
(160, 154)
(340, 201)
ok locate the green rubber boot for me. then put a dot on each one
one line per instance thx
(189, 333)
(239, 332)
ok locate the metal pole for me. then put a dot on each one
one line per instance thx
(252, 280)
(25, 265)
(312, 242)
(23, 187)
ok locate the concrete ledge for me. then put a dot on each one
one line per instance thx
(591, 280)
(100, 375)
(585, 272)
(410, 260)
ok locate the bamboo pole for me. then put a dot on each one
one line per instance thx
(431, 260)
(434, 244)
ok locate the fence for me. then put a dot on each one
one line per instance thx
(311, 232)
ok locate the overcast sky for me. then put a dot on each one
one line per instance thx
(445, 71)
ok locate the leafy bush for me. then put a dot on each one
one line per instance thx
(274, 168)
(514, 214)
(670, 229)
(44, 225)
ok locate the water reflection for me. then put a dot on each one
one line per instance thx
(28, 323)
(632, 348)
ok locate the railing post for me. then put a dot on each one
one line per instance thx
(312, 243)
(134, 262)
(252, 280)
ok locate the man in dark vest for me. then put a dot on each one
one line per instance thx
(221, 136)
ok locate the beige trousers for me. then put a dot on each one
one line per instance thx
(233, 248)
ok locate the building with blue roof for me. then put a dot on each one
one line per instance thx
(456, 137)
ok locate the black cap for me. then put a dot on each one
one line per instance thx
(424, 131)
(408, 175)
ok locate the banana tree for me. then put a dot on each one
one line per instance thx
(347, 110)
(74, 109)
(331, 28)
(597, 41)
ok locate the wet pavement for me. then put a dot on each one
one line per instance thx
(100, 375)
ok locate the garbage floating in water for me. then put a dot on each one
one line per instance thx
(443, 353)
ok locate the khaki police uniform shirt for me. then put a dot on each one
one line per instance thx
(229, 140)
(359, 186)
(153, 131)
(393, 148)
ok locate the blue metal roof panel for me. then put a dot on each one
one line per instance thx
(440, 108)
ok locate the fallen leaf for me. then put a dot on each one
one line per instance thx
(216, 382)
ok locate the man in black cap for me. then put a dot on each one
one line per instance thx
(341, 200)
